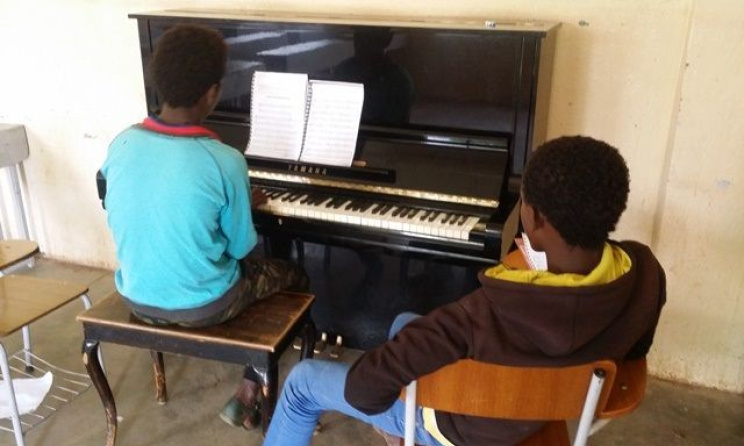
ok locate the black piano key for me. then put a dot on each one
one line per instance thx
(366, 205)
(355, 205)
(399, 211)
(412, 212)
(319, 199)
(462, 220)
(453, 218)
(424, 215)
(433, 216)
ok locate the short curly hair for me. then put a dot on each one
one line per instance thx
(187, 61)
(580, 185)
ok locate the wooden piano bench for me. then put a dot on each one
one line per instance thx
(257, 337)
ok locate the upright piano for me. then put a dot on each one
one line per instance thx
(452, 109)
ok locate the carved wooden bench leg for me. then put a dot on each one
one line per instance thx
(93, 366)
(158, 367)
(308, 341)
(268, 379)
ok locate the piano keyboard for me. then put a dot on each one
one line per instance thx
(371, 214)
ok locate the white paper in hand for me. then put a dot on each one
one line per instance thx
(537, 260)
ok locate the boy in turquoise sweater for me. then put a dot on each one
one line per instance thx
(179, 207)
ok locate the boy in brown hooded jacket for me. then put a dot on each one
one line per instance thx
(598, 299)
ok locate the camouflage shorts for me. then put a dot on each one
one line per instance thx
(260, 278)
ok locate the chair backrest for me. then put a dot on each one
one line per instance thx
(628, 389)
(13, 144)
(13, 150)
(519, 393)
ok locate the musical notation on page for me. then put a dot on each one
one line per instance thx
(278, 112)
(314, 122)
(332, 123)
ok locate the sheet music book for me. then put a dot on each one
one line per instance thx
(278, 110)
(299, 120)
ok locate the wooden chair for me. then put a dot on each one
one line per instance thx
(257, 337)
(23, 300)
(601, 389)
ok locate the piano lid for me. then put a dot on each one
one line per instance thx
(464, 23)
(474, 77)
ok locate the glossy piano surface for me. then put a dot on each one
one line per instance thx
(452, 109)
(439, 200)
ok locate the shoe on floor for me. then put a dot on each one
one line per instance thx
(236, 414)
(233, 412)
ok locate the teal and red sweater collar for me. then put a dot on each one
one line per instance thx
(192, 131)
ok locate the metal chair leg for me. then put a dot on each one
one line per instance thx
(27, 358)
(10, 393)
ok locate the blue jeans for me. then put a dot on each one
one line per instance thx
(315, 386)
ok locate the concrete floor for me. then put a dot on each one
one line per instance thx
(672, 414)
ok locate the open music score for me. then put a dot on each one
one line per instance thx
(299, 120)
(332, 122)
(278, 114)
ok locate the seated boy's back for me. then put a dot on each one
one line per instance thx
(179, 209)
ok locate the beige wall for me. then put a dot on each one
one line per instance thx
(658, 79)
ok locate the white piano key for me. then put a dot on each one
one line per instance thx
(351, 212)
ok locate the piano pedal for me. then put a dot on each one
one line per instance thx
(297, 343)
(338, 349)
(321, 344)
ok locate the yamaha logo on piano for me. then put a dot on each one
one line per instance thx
(307, 169)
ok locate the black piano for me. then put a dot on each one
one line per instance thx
(451, 112)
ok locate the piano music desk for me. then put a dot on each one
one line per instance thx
(258, 337)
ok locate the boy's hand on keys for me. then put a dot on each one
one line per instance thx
(258, 197)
